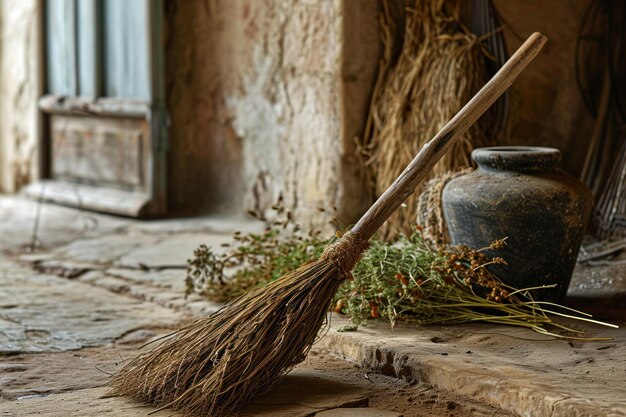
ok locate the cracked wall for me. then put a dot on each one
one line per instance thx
(266, 98)
(18, 93)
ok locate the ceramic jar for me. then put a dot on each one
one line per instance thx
(518, 193)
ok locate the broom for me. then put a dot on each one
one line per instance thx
(217, 364)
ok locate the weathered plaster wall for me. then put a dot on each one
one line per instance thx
(266, 98)
(18, 92)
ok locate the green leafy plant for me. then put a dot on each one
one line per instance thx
(252, 259)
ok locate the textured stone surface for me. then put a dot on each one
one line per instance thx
(171, 279)
(216, 224)
(319, 382)
(105, 313)
(42, 313)
(357, 412)
(172, 251)
(599, 281)
(79, 403)
(165, 288)
(65, 269)
(302, 393)
(514, 369)
(28, 375)
(51, 225)
(104, 249)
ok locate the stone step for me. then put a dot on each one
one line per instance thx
(509, 368)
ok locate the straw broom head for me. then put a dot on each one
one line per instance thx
(217, 364)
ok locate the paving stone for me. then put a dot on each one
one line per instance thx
(90, 277)
(144, 290)
(173, 279)
(40, 313)
(513, 369)
(113, 284)
(500, 366)
(57, 224)
(357, 412)
(165, 287)
(65, 269)
(215, 224)
(80, 403)
(174, 300)
(36, 257)
(599, 281)
(105, 249)
(304, 392)
(173, 250)
(27, 375)
(301, 394)
(202, 308)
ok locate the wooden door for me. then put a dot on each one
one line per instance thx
(104, 114)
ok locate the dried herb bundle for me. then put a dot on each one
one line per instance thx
(413, 282)
(252, 259)
(408, 280)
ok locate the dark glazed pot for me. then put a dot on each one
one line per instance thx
(518, 193)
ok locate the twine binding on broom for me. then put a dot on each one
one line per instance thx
(345, 253)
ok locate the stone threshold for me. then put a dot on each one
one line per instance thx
(512, 369)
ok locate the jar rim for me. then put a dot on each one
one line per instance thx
(517, 158)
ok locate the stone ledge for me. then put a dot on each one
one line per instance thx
(530, 377)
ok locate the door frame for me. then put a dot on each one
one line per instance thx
(152, 200)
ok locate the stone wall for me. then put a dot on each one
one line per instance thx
(266, 97)
(19, 88)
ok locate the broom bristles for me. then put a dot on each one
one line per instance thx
(217, 364)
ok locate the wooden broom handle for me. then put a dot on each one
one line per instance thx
(432, 151)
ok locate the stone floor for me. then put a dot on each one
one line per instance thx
(80, 292)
